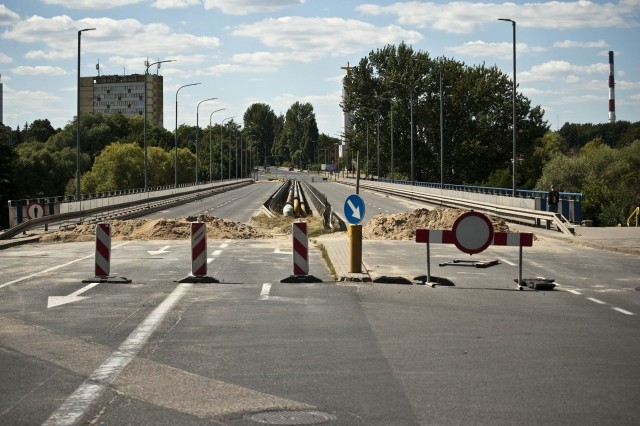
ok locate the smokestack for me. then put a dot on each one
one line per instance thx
(612, 91)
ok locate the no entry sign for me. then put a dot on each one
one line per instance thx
(472, 232)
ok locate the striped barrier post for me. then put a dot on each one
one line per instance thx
(472, 233)
(300, 255)
(103, 257)
(198, 255)
(103, 250)
(300, 248)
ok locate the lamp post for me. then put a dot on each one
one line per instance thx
(78, 120)
(221, 163)
(210, 157)
(513, 95)
(441, 137)
(175, 161)
(197, 129)
(146, 73)
(411, 90)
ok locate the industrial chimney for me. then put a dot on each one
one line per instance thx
(612, 91)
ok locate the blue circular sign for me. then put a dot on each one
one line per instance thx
(354, 209)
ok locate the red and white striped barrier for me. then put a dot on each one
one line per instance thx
(103, 257)
(103, 250)
(300, 248)
(198, 249)
(472, 233)
(300, 255)
(198, 255)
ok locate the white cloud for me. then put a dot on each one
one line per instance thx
(552, 70)
(246, 7)
(468, 17)
(175, 4)
(502, 50)
(585, 44)
(7, 16)
(5, 59)
(331, 36)
(91, 4)
(111, 37)
(38, 70)
(276, 58)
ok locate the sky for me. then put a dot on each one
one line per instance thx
(278, 52)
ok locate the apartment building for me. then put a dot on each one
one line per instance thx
(123, 94)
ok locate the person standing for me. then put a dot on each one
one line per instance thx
(553, 197)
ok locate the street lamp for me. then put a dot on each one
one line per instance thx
(198, 128)
(513, 95)
(411, 90)
(146, 73)
(175, 161)
(78, 120)
(210, 157)
(221, 165)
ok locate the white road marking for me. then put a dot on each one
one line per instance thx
(507, 262)
(224, 245)
(54, 301)
(216, 253)
(266, 289)
(623, 311)
(53, 268)
(79, 401)
(575, 292)
(600, 302)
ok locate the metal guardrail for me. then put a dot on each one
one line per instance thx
(512, 214)
(126, 210)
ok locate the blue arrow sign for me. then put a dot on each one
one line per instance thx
(354, 209)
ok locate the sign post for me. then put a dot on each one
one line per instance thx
(354, 210)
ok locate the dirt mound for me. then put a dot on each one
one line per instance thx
(160, 229)
(402, 226)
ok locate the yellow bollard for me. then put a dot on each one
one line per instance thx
(355, 249)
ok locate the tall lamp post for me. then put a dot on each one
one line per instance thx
(78, 120)
(175, 160)
(513, 23)
(210, 157)
(146, 74)
(221, 163)
(411, 90)
(197, 129)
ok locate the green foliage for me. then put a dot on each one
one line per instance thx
(119, 166)
(608, 178)
(259, 130)
(618, 134)
(476, 111)
(299, 135)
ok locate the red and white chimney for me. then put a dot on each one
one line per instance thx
(612, 91)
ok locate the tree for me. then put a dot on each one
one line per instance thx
(39, 131)
(119, 166)
(477, 114)
(299, 134)
(259, 129)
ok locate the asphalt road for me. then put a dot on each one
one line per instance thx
(159, 352)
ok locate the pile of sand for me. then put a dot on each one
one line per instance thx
(160, 229)
(402, 226)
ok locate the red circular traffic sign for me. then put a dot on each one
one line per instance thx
(472, 232)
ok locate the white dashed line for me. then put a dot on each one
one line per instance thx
(266, 289)
(507, 262)
(598, 301)
(622, 311)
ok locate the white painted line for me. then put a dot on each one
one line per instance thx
(210, 259)
(79, 401)
(224, 245)
(53, 268)
(216, 253)
(575, 292)
(623, 311)
(507, 262)
(596, 301)
(266, 289)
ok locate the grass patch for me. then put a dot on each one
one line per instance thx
(327, 260)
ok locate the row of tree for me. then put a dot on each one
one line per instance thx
(412, 116)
